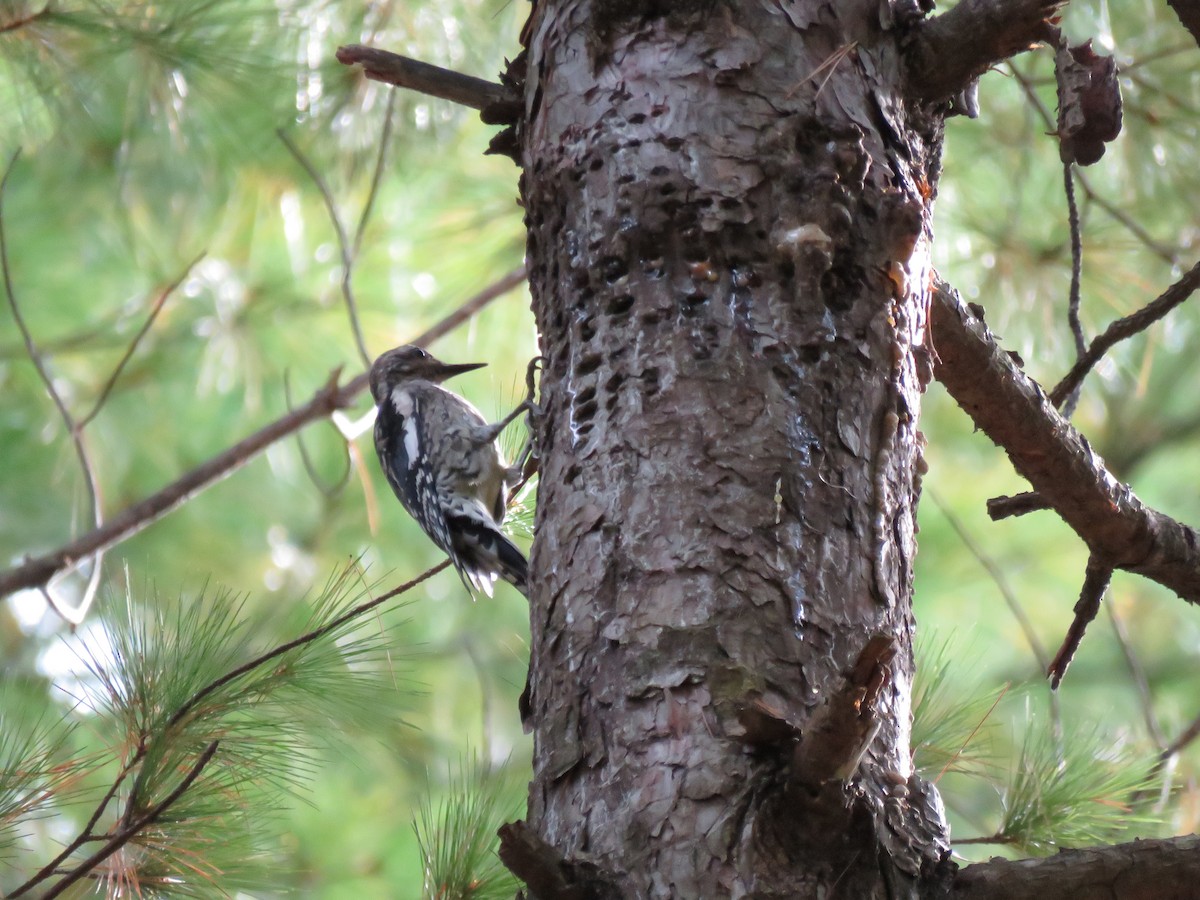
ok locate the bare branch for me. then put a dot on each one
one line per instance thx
(343, 241)
(466, 90)
(1095, 582)
(950, 50)
(130, 521)
(1125, 328)
(1058, 462)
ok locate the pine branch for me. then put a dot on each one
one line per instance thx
(131, 830)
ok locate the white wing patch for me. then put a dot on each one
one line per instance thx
(403, 401)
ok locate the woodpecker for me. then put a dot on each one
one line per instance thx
(441, 458)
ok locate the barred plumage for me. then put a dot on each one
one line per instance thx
(441, 458)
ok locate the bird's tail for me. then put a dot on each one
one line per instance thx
(482, 552)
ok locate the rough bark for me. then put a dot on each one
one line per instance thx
(728, 209)
(1142, 870)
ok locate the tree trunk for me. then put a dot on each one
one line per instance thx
(728, 208)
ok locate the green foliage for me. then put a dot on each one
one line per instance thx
(1073, 791)
(458, 839)
(952, 715)
(205, 725)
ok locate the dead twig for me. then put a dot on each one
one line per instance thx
(1095, 582)
(466, 90)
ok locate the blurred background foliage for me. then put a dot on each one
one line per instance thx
(149, 137)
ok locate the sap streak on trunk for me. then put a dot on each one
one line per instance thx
(728, 247)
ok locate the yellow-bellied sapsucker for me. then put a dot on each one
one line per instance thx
(441, 458)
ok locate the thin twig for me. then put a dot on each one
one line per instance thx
(1165, 253)
(1095, 582)
(137, 339)
(86, 834)
(1010, 599)
(1186, 737)
(131, 520)
(1138, 672)
(25, 20)
(385, 139)
(380, 65)
(340, 484)
(1125, 328)
(1067, 407)
(73, 615)
(997, 575)
(342, 240)
(125, 835)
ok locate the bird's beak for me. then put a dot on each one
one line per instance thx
(449, 371)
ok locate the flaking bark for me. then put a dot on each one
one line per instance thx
(728, 211)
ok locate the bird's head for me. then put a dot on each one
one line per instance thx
(411, 363)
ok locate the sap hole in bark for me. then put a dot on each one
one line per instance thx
(580, 279)
(658, 109)
(637, 118)
(659, 171)
(596, 164)
(619, 305)
(588, 363)
(613, 267)
(730, 203)
(627, 178)
(586, 395)
(650, 379)
(633, 143)
(584, 412)
(691, 303)
(614, 382)
(573, 472)
(674, 143)
(587, 329)
(651, 318)
(667, 189)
